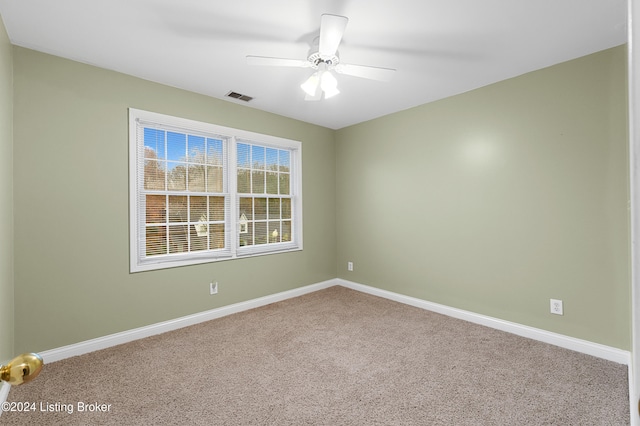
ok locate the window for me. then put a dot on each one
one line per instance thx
(201, 192)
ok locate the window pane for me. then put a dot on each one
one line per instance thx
(177, 179)
(272, 183)
(260, 208)
(156, 208)
(196, 149)
(156, 237)
(286, 208)
(178, 239)
(272, 159)
(243, 155)
(247, 239)
(199, 235)
(196, 178)
(216, 208)
(257, 157)
(286, 230)
(176, 146)
(215, 153)
(217, 236)
(214, 179)
(261, 233)
(274, 208)
(274, 232)
(177, 208)
(150, 153)
(153, 143)
(257, 182)
(244, 181)
(284, 184)
(154, 175)
(285, 163)
(246, 208)
(198, 209)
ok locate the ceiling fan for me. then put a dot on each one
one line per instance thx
(324, 61)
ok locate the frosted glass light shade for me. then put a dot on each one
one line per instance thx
(310, 86)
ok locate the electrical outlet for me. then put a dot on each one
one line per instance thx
(556, 306)
(213, 287)
(349, 266)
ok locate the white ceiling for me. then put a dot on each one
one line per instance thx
(439, 47)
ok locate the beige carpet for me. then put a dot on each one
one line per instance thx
(334, 357)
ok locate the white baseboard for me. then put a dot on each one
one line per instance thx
(633, 398)
(601, 351)
(4, 393)
(162, 327)
(584, 346)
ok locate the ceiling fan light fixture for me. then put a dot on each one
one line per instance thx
(328, 81)
(329, 84)
(322, 79)
(310, 86)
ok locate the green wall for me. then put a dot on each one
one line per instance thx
(72, 280)
(6, 197)
(496, 200)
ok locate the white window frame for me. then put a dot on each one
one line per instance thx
(140, 262)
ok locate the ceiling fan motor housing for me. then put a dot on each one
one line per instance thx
(315, 59)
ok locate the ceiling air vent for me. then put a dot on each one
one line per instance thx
(240, 96)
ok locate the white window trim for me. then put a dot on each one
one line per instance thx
(232, 224)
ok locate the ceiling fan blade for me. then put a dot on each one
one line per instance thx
(331, 31)
(363, 71)
(277, 62)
